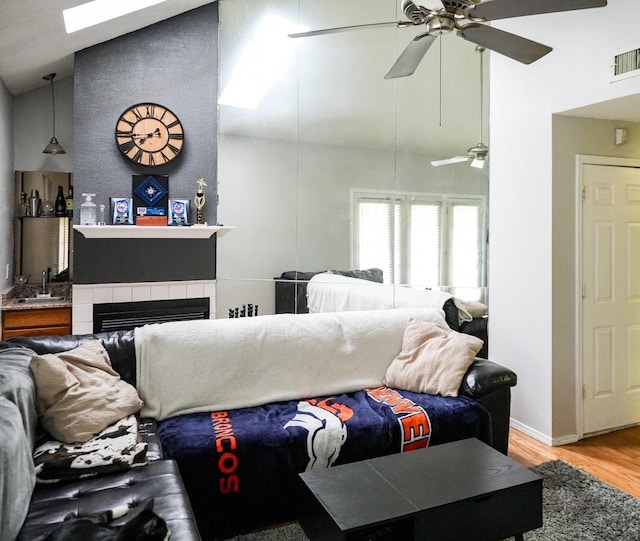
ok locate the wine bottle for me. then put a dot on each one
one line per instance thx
(60, 205)
(69, 202)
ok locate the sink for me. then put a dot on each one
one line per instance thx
(40, 300)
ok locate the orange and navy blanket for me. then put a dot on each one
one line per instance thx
(241, 467)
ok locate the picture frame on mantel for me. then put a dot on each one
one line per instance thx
(122, 210)
(179, 212)
(150, 195)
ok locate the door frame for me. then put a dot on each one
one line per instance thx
(582, 160)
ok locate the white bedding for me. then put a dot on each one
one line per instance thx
(213, 365)
(328, 292)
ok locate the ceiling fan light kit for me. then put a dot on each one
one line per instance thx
(477, 154)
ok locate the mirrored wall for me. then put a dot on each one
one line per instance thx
(326, 165)
(42, 241)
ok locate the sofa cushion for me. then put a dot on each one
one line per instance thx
(79, 393)
(115, 448)
(17, 477)
(433, 359)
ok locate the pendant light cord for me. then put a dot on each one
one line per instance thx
(481, 51)
(440, 89)
(53, 105)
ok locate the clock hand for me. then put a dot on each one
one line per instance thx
(154, 133)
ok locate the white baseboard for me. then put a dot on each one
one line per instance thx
(535, 434)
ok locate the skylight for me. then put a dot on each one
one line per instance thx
(100, 11)
(262, 61)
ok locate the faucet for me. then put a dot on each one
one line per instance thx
(44, 282)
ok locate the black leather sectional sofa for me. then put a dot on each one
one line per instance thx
(485, 382)
(51, 504)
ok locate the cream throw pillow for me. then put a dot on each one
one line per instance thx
(79, 393)
(433, 359)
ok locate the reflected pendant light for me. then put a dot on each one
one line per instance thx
(53, 147)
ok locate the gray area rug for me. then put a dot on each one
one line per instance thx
(576, 506)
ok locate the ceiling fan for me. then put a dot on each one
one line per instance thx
(466, 17)
(476, 154)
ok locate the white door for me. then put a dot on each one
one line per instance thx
(611, 297)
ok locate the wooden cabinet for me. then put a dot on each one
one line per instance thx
(41, 321)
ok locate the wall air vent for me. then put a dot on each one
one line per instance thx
(625, 65)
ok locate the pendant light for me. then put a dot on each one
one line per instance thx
(53, 147)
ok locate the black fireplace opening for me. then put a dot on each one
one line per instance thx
(129, 315)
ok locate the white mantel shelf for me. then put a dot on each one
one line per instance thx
(151, 232)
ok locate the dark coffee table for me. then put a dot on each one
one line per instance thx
(463, 490)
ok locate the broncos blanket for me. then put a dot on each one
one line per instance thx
(240, 466)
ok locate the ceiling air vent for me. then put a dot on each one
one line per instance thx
(625, 65)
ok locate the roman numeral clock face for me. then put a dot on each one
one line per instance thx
(149, 134)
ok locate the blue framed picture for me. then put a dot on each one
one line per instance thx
(179, 211)
(150, 194)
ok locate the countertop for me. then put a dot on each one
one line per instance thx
(11, 296)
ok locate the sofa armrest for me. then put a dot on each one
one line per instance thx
(485, 377)
(490, 384)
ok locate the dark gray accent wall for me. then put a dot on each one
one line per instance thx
(100, 261)
(173, 63)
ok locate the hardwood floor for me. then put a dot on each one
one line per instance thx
(614, 458)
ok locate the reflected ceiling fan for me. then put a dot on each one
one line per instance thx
(477, 154)
(466, 17)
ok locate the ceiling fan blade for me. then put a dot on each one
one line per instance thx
(516, 47)
(411, 57)
(397, 24)
(504, 9)
(448, 161)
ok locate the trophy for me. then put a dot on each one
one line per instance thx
(199, 201)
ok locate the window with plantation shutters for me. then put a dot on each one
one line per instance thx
(375, 235)
(466, 245)
(420, 239)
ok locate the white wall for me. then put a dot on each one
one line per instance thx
(6, 185)
(33, 127)
(28, 129)
(573, 136)
(528, 228)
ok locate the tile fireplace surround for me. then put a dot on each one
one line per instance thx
(84, 296)
(137, 246)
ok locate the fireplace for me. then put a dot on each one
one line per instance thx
(123, 264)
(129, 315)
(86, 296)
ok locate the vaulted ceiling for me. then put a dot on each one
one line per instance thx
(33, 40)
(33, 43)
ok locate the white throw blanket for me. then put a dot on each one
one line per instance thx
(221, 364)
(328, 292)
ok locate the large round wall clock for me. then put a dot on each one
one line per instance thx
(149, 134)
